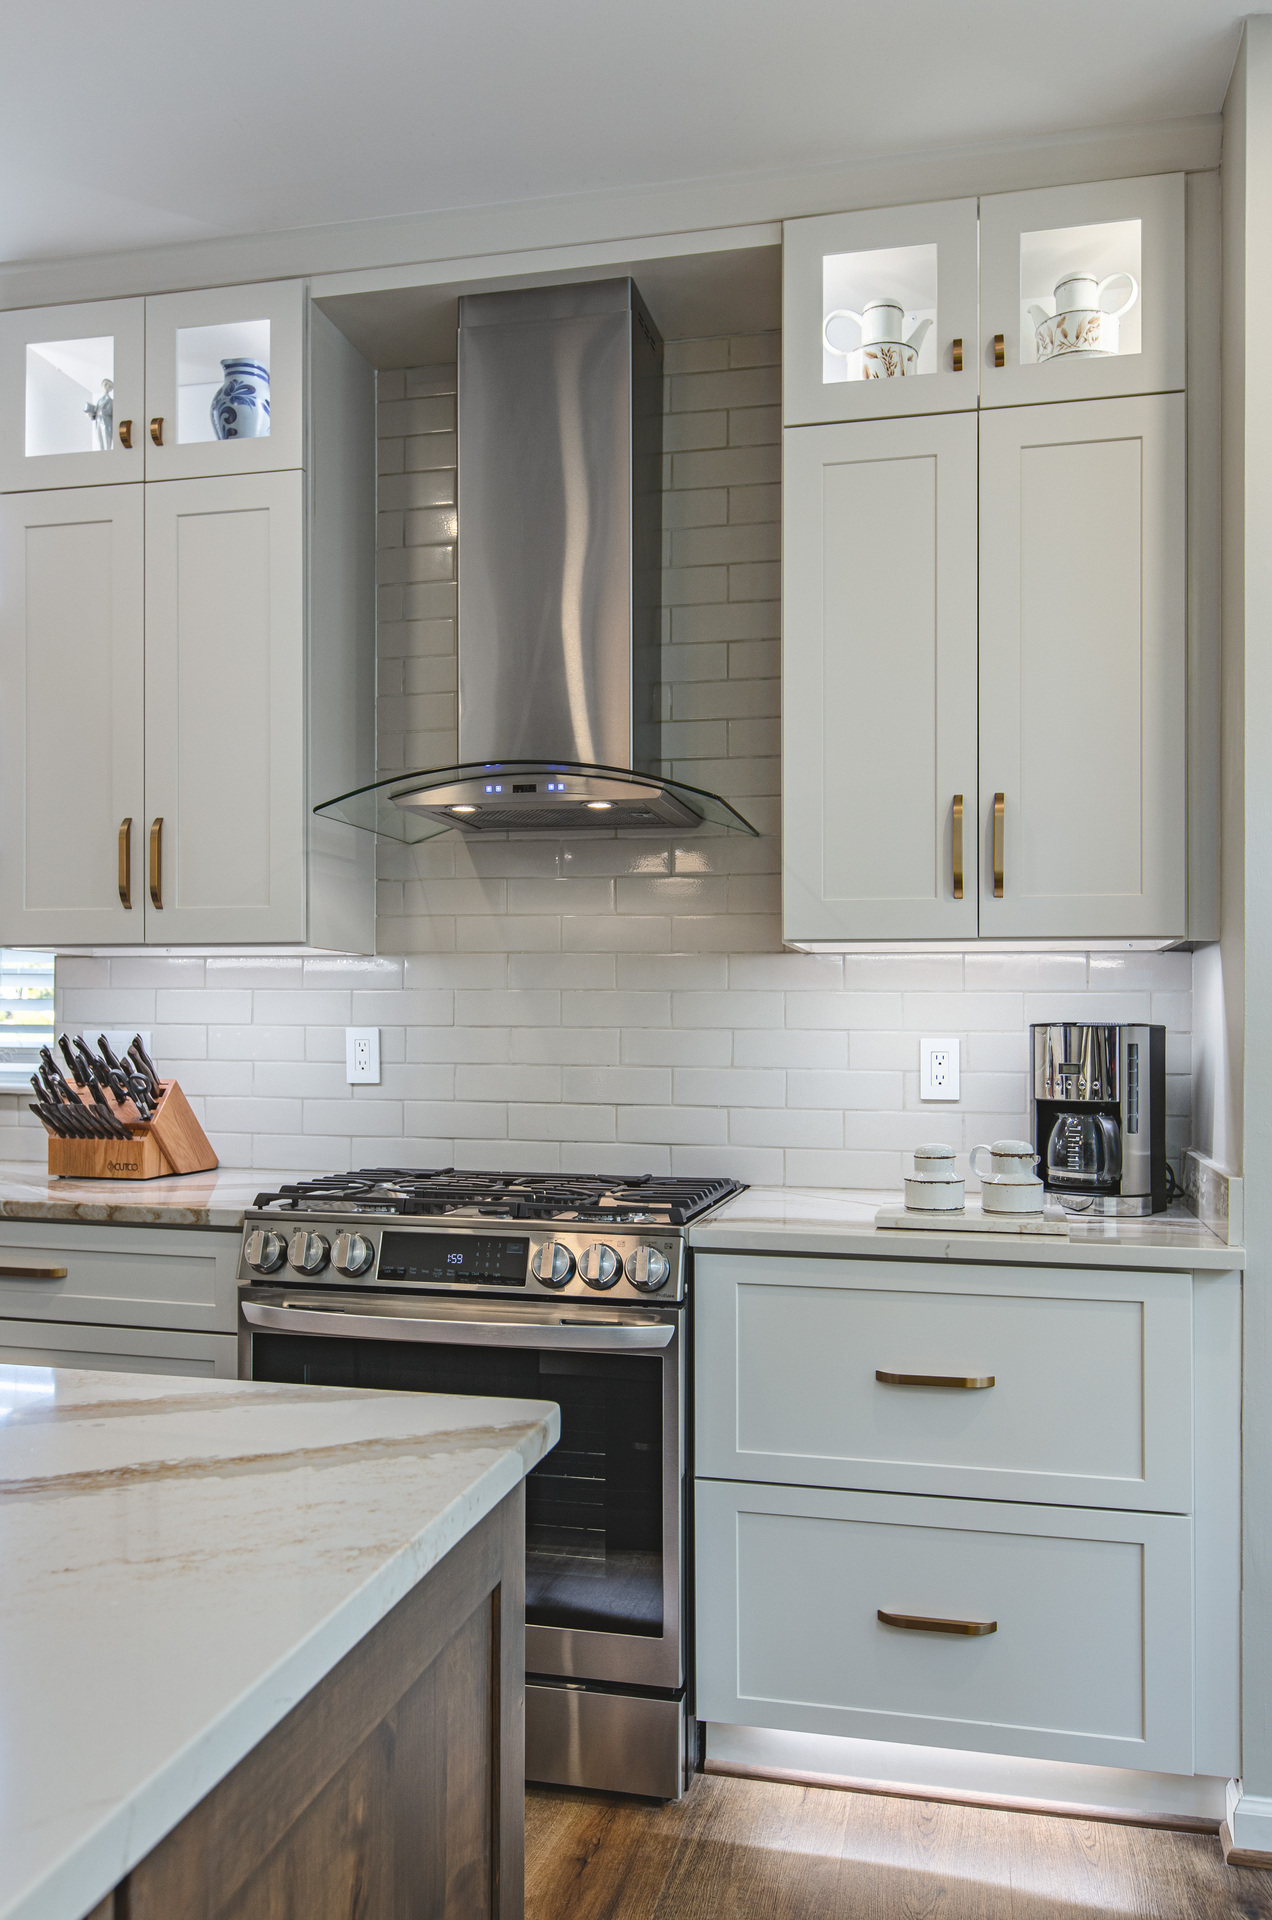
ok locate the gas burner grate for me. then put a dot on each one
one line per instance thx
(430, 1192)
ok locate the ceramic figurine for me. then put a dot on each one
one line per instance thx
(101, 413)
(240, 405)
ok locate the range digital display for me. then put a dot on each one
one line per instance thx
(454, 1258)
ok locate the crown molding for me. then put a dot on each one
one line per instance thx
(632, 215)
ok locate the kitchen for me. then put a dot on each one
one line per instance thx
(628, 1003)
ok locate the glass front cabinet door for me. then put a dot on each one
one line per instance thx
(225, 381)
(72, 395)
(1082, 292)
(879, 313)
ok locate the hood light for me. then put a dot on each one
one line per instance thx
(599, 806)
(463, 809)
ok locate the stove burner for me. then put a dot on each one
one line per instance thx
(642, 1198)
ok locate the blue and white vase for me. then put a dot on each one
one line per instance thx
(240, 405)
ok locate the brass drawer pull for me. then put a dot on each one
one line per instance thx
(976, 1382)
(958, 846)
(1000, 808)
(156, 861)
(1000, 350)
(156, 430)
(919, 1623)
(124, 430)
(32, 1273)
(125, 862)
(957, 355)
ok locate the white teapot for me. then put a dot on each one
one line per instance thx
(884, 353)
(1080, 325)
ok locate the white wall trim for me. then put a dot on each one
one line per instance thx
(462, 233)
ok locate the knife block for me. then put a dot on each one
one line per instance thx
(171, 1141)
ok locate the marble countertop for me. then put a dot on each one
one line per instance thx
(183, 1562)
(832, 1220)
(216, 1199)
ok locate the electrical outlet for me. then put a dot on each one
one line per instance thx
(938, 1069)
(362, 1054)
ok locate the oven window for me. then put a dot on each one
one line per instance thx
(593, 1507)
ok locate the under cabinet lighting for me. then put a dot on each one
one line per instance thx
(599, 806)
(463, 809)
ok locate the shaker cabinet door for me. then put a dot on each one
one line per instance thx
(879, 681)
(1082, 670)
(225, 381)
(879, 313)
(225, 795)
(72, 665)
(71, 395)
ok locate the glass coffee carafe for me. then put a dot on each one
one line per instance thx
(1084, 1151)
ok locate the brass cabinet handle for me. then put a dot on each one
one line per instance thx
(124, 430)
(1000, 808)
(1000, 352)
(957, 354)
(125, 862)
(920, 1623)
(156, 430)
(156, 860)
(977, 1382)
(958, 846)
(32, 1273)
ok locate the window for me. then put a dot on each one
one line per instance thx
(26, 1015)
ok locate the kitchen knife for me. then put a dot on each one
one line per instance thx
(70, 1059)
(50, 1120)
(90, 1066)
(144, 1061)
(114, 1067)
(52, 1074)
(47, 1088)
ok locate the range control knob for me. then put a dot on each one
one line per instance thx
(265, 1252)
(352, 1254)
(600, 1266)
(307, 1252)
(648, 1269)
(553, 1264)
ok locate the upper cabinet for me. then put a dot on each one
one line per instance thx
(1082, 292)
(179, 386)
(72, 395)
(1064, 293)
(225, 381)
(879, 313)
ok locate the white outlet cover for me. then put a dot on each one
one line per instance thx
(362, 1055)
(938, 1069)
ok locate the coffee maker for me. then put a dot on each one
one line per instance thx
(1099, 1117)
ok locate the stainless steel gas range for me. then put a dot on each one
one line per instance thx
(539, 1286)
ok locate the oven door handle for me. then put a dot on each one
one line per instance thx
(569, 1336)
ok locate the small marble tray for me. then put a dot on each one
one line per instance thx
(973, 1219)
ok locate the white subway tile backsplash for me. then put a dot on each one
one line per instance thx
(609, 1004)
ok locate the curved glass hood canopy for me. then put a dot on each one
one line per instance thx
(528, 796)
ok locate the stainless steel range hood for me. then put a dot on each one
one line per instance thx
(560, 552)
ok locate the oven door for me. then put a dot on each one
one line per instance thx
(604, 1510)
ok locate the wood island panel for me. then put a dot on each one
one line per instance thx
(395, 1789)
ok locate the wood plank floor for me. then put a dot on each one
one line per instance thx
(757, 1850)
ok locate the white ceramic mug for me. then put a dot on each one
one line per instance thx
(1013, 1162)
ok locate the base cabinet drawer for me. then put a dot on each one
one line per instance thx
(47, 1343)
(185, 1280)
(1071, 1386)
(1090, 1658)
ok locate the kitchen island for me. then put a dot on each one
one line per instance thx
(259, 1643)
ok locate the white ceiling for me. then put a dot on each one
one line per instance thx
(149, 121)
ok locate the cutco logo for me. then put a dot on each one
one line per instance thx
(122, 1166)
